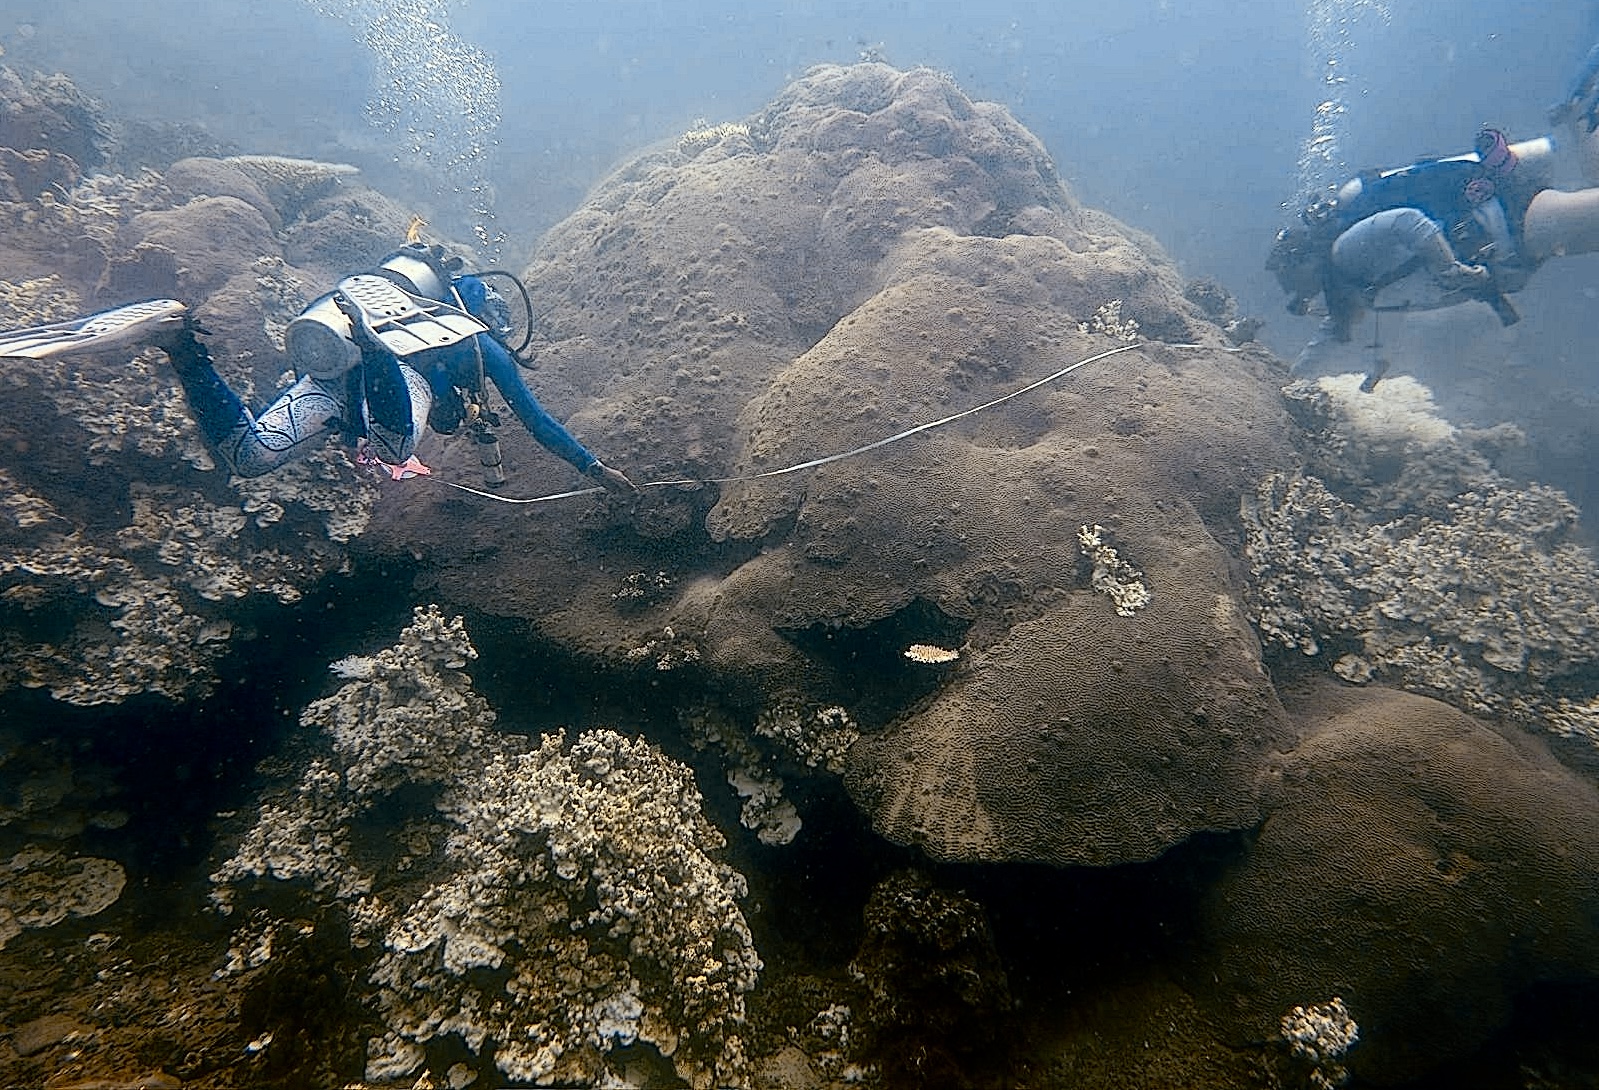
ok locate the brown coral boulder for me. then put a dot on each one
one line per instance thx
(1422, 867)
(189, 251)
(202, 176)
(50, 112)
(873, 252)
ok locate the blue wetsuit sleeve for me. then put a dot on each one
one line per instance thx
(502, 370)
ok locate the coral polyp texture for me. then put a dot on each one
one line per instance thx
(564, 899)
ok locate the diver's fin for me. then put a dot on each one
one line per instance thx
(136, 323)
(1376, 367)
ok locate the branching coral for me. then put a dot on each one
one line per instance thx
(133, 634)
(582, 874)
(574, 907)
(818, 737)
(141, 593)
(1449, 579)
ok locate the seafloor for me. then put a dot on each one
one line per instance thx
(1171, 724)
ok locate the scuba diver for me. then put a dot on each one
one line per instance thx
(1441, 232)
(384, 354)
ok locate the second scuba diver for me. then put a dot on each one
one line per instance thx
(379, 358)
(1445, 231)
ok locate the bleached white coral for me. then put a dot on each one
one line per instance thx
(818, 737)
(703, 135)
(774, 818)
(1113, 576)
(411, 715)
(596, 857)
(1398, 411)
(1109, 321)
(1446, 577)
(931, 655)
(1319, 1036)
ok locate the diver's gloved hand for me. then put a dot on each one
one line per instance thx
(614, 480)
(1462, 277)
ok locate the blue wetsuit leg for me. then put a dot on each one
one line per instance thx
(295, 424)
(392, 401)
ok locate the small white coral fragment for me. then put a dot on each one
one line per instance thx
(1113, 577)
(354, 667)
(1108, 320)
(1354, 669)
(931, 654)
(703, 135)
(773, 818)
(1319, 1036)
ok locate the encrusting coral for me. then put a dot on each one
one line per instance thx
(1444, 577)
(40, 888)
(561, 901)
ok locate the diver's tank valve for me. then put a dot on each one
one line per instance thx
(488, 454)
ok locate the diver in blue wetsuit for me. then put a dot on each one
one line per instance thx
(1440, 232)
(382, 356)
(1436, 232)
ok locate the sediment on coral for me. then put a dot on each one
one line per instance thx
(550, 902)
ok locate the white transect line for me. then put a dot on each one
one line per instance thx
(814, 462)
